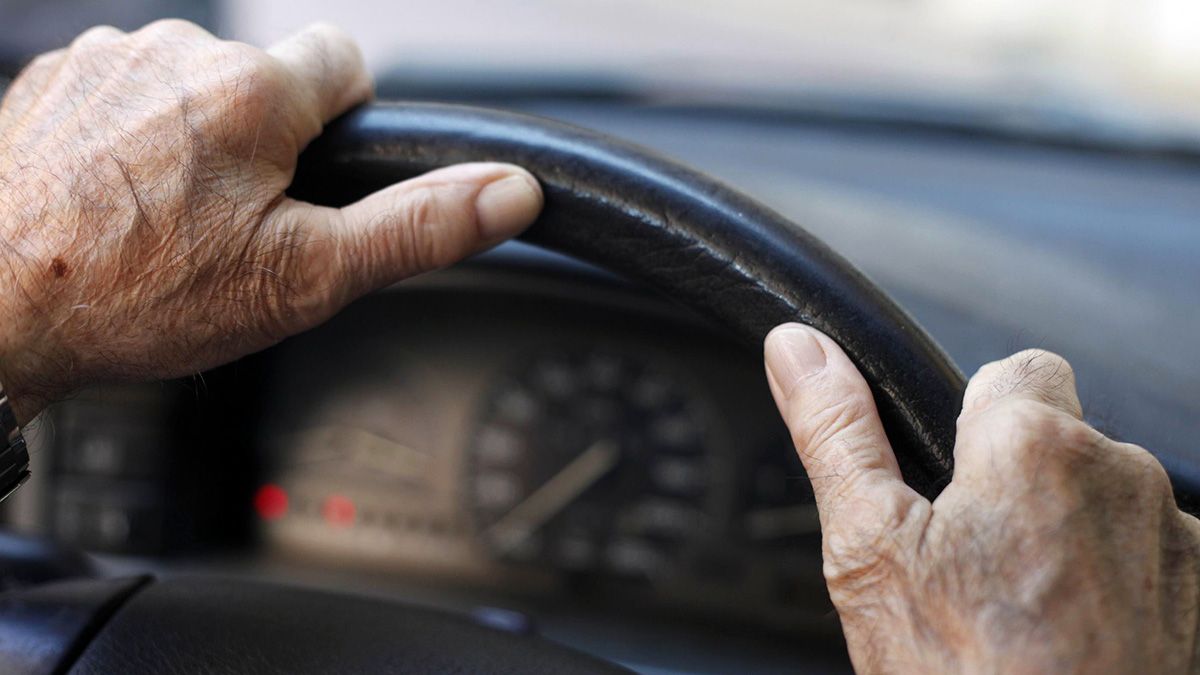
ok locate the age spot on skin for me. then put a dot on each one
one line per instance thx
(59, 267)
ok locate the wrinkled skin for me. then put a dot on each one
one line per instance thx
(145, 231)
(1053, 550)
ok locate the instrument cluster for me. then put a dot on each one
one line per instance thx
(537, 445)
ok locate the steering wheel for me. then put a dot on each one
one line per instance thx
(607, 202)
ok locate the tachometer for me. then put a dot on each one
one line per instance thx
(590, 462)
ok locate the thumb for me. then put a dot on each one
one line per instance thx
(420, 224)
(415, 226)
(831, 414)
(432, 221)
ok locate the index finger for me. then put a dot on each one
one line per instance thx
(328, 69)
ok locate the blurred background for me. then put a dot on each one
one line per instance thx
(1015, 173)
(1131, 67)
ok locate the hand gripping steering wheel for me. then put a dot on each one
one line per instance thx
(677, 231)
(607, 202)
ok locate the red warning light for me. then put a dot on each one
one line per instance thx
(270, 502)
(338, 511)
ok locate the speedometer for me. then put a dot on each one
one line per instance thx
(590, 462)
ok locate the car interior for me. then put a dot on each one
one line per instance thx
(561, 455)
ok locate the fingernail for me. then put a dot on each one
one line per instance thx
(792, 354)
(507, 206)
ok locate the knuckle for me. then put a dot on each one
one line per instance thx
(851, 566)
(421, 210)
(43, 62)
(332, 60)
(1032, 434)
(867, 542)
(95, 36)
(1143, 468)
(1039, 359)
(987, 371)
(427, 235)
(1026, 418)
(161, 45)
(1041, 372)
(320, 279)
(321, 38)
(327, 44)
(246, 57)
(329, 31)
(834, 415)
(1047, 374)
(166, 29)
(1076, 436)
(246, 81)
(241, 64)
(1033, 426)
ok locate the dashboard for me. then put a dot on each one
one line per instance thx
(521, 433)
(530, 434)
(532, 437)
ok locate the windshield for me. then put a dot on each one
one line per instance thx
(1131, 67)
(1119, 69)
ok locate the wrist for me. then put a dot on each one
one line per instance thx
(25, 405)
(27, 401)
(25, 319)
(23, 376)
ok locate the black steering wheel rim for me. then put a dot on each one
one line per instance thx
(676, 230)
(607, 202)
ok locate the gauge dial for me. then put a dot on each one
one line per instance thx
(590, 462)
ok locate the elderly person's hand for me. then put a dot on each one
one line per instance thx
(144, 230)
(1053, 550)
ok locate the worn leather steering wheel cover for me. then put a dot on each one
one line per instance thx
(676, 230)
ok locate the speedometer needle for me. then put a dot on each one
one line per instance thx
(554, 495)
